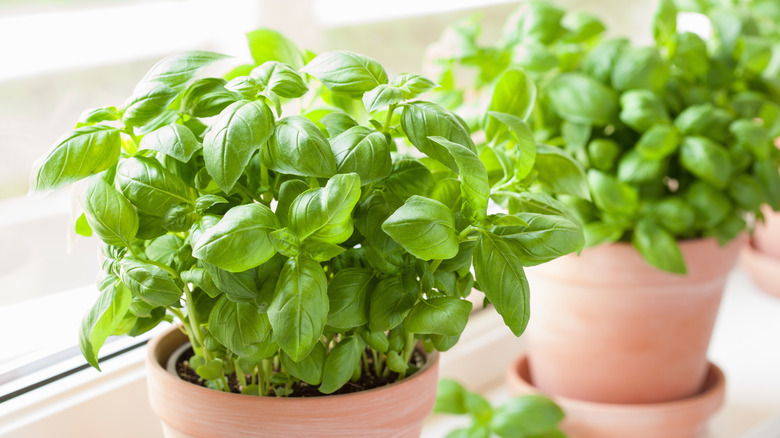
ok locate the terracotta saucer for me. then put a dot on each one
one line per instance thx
(764, 269)
(685, 418)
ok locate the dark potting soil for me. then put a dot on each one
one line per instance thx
(368, 380)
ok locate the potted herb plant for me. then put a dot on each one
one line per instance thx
(675, 140)
(309, 223)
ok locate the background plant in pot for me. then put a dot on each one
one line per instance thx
(527, 416)
(281, 217)
(675, 140)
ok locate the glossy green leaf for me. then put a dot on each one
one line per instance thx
(425, 228)
(525, 143)
(150, 187)
(664, 21)
(173, 140)
(239, 131)
(641, 109)
(82, 227)
(270, 45)
(346, 72)
(603, 153)
(499, 272)
(412, 85)
(560, 173)
(543, 237)
(612, 195)
(441, 316)
(207, 97)
(239, 326)
(325, 214)
(336, 123)
(109, 213)
(514, 94)
(526, 416)
(369, 216)
(148, 102)
(298, 147)
(672, 213)
(579, 98)
(176, 71)
(658, 142)
(391, 300)
(299, 309)
(706, 159)
(281, 79)
(309, 369)
(636, 169)
(423, 120)
(658, 246)
(85, 151)
(363, 151)
(535, 21)
(600, 61)
(639, 67)
(382, 96)
(340, 364)
(103, 318)
(347, 295)
(202, 279)
(473, 177)
(240, 240)
(149, 282)
(409, 177)
(710, 204)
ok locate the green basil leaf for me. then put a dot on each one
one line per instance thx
(165, 249)
(612, 195)
(240, 240)
(754, 53)
(207, 97)
(766, 173)
(710, 204)
(299, 309)
(149, 282)
(97, 115)
(636, 169)
(598, 232)
(640, 67)
(603, 153)
(422, 120)
(346, 72)
(298, 147)
(382, 96)
(239, 286)
(109, 213)
(658, 142)
(474, 180)
(658, 246)
(410, 177)
(705, 120)
(391, 300)
(600, 60)
(369, 216)
(174, 140)
(176, 71)
(288, 191)
(148, 102)
(285, 242)
(376, 340)
(336, 123)
(641, 109)
(707, 160)
(270, 45)
(664, 21)
(453, 398)
(201, 278)
(425, 228)
(347, 295)
(103, 318)
(500, 275)
(441, 316)
(239, 326)
(526, 416)
(526, 145)
(582, 26)
(747, 192)
(325, 214)
(535, 21)
(412, 85)
(689, 54)
(753, 136)
(245, 86)
(543, 238)
(581, 99)
(82, 227)
(151, 188)
(363, 151)
(672, 213)
(340, 364)
(309, 369)
(559, 172)
(514, 94)
(205, 202)
(85, 151)
(281, 79)
(239, 131)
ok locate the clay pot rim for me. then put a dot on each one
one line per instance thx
(714, 388)
(160, 372)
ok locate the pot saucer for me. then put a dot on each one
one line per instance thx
(684, 418)
(764, 269)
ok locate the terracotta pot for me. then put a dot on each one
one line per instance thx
(762, 268)
(608, 327)
(685, 418)
(191, 411)
(766, 237)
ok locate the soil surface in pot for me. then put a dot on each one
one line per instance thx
(368, 380)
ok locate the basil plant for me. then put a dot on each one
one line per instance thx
(675, 138)
(307, 219)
